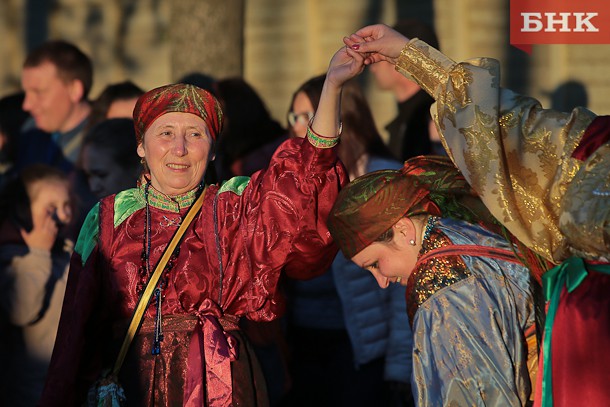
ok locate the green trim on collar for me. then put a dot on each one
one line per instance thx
(159, 200)
(126, 203)
(235, 185)
(89, 233)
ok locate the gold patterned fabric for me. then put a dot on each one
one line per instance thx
(433, 274)
(517, 155)
(586, 206)
(471, 317)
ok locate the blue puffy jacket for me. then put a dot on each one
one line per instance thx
(376, 319)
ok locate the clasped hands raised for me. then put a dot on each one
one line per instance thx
(368, 45)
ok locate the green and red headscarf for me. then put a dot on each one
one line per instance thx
(371, 204)
(178, 97)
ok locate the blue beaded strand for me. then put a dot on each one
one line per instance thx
(156, 349)
(429, 226)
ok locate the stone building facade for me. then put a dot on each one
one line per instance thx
(278, 44)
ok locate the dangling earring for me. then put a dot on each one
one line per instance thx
(412, 242)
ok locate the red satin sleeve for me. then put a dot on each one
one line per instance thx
(278, 224)
(596, 134)
(311, 181)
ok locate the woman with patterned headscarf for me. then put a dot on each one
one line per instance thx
(470, 297)
(545, 175)
(189, 350)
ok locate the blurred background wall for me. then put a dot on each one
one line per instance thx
(277, 44)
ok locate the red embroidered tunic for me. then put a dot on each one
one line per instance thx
(228, 266)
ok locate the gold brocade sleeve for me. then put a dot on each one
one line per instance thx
(513, 152)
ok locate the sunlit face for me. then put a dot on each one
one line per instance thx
(384, 74)
(49, 99)
(122, 108)
(105, 176)
(389, 262)
(176, 148)
(302, 109)
(50, 197)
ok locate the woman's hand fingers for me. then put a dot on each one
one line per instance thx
(353, 39)
(345, 64)
(377, 43)
(372, 32)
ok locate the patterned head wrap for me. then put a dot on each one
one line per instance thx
(177, 98)
(371, 204)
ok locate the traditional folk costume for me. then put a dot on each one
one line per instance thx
(188, 350)
(469, 297)
(546, 176)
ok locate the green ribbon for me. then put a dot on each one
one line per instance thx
(570, 274)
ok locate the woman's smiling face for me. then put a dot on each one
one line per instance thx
(176, 148)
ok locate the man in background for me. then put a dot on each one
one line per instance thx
(412, 132)
(56, 79)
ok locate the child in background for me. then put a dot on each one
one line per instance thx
(34, 256)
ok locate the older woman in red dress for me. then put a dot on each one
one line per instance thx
(227, 265)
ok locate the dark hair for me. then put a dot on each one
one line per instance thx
(412, 28)
(111, 93)
(118, 136)
(248, 124)
(388, 235)
(201, 80)
(12, 118)
(360, 135)
(15, 202)
(312, 88)
(568, 96)
(71, 62)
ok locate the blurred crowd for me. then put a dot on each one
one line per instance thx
(61, 151)
(469, 323)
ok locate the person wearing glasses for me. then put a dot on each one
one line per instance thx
(298, 121)
(342, 324)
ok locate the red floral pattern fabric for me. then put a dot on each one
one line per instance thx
(181, 98)
(276, 224)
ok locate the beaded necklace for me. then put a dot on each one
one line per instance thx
(427, 230)
(145, 270)
(144, 274)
